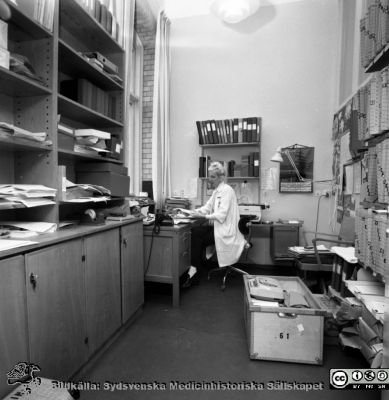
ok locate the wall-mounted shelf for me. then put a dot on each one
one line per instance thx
(241, 158)
(241, 144)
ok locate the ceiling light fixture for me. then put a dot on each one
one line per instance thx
(234, 11)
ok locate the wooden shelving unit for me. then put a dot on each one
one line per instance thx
(29, 104)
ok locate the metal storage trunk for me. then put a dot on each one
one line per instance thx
(285, 333)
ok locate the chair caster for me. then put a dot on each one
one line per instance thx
(223, 288)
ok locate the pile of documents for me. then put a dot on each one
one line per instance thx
(83, 193)
(15, 196)
(8, 130)
(176, 202)
(91, 141)
(299, 251)
(24, 229)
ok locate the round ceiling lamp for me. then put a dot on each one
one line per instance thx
(234, 11)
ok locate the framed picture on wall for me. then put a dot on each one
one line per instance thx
(296, 169)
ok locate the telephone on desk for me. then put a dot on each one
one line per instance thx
(265, 288)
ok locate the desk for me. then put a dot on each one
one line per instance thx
(169, 257)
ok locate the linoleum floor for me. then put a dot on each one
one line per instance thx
(204, 341)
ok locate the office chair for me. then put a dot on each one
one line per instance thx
(245, 229)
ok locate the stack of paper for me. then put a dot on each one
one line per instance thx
(26, 195)
(20, 230)
(299, 250)
(7, 244)
(15, 131)
(83, 193)
(91, 141)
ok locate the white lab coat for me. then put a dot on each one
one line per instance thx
(222, 209)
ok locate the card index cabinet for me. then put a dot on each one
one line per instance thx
(36, 103)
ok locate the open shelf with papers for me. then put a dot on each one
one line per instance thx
(64, 153)
(55, 45)
(72, 63)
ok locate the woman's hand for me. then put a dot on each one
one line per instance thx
(195, 214)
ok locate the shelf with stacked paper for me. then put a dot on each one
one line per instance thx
(71, 154)
(73, 63)
(27, 111)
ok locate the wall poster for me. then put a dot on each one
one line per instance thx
(296, 170)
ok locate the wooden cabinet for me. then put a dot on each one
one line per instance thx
(56, 309)
(102, 272)
(167, 256)
(132, 269)
(13, 337)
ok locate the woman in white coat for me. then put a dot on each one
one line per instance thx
(221, 210)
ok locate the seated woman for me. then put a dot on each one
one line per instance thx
(222, 212)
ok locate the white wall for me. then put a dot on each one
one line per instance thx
(279, 64)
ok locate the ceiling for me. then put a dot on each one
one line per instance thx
(189, 8)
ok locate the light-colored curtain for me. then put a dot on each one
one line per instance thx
(161, 111)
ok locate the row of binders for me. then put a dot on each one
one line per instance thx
(374, 30)
(236, 130)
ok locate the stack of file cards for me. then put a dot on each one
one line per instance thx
(14, 196)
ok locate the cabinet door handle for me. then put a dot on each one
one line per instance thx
(33, 279)
(125, 242)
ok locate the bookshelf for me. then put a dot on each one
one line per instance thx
(54, 41)
(235, 153)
